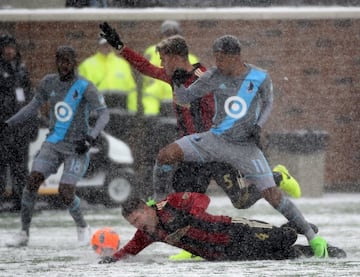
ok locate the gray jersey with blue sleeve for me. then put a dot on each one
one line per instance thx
(240, 102)
(70, 106)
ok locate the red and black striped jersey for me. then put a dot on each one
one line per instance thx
(184, 223)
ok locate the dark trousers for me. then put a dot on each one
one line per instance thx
(15, 159)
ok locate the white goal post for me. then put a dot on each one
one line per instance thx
(235, 13)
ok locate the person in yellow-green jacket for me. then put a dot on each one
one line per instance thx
(156, 92)
(111, 74)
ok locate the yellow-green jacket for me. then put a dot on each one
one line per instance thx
(109, 73)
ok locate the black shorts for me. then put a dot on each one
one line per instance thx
(196, 177)
(192, 176)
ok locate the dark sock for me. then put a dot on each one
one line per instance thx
(27, 206)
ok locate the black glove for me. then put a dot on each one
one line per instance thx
(82, 146)
(107, 260)
(180, 76)
(256, 134)
(111, 36)
(3, 126)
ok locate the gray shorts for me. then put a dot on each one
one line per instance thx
(247, 158)
(50, 157)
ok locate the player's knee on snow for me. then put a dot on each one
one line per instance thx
(35, 180)
(67, 193)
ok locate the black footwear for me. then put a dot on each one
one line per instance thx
(305, 250)
(292, 225)
(335, 252)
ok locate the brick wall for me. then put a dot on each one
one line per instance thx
(314, 64)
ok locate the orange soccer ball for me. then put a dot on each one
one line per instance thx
(105, 241)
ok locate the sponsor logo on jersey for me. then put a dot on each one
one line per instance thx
(235, 107)
(63, 111)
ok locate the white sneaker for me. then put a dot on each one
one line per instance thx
(19, 240)
(83, 235)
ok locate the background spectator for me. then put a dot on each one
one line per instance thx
(111, 74)
(86, 3)
(15, 92)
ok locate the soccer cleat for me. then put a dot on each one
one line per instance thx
(83, 235)
(319, 247)
(19, 240)
(184, 255)
(288, 183)
(305, 250)
(336, 252)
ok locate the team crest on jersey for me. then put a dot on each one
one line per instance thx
(52, 94)
(176, 236)
(250, 87)
(161, 205)
(75, 95)
(185, 196)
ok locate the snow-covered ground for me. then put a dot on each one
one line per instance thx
(53, 250)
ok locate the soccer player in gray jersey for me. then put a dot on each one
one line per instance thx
(71, 99)
(243, 98)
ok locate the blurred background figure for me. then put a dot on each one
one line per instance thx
(15, 92)
(77, 3)
(112, 75)
(99, 3)
(86, 3)
(157, 95)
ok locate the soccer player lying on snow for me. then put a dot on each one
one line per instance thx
(181, 220)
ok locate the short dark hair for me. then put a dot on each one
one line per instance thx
(174, 45)
(66, 50)
(228, 44)
(131, 204)
(7, 39)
